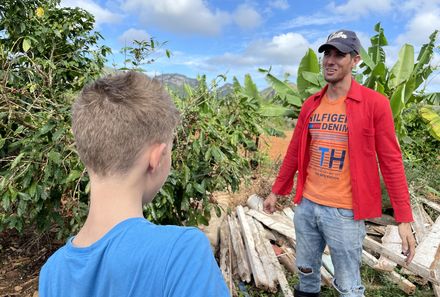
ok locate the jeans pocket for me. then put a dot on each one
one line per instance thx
(345, 213)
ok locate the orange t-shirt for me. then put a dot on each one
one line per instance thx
(328, 173)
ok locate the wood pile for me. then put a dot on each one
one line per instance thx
(255, 245)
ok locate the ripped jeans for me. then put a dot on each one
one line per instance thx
(317, 225)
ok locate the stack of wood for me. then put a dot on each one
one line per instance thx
(255, 245)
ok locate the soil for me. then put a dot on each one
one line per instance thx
(21, 258)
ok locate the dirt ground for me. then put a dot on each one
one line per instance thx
(21, 257)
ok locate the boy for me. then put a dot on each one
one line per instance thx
(123, 127)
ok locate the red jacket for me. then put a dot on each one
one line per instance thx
(370, 133)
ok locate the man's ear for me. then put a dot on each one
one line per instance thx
(356, 60)
(157, 152)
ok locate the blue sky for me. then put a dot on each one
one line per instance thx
(235, 37)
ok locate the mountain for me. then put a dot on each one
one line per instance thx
(175, 81)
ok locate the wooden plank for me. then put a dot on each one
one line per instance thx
(225, 255)
(328, 264)
(263, 255)
(404, 284)
(326, 277)
(392, 241)
(255, 202)
(384, 220)
(288, 211)
(427, 249)
(433, 205)
(259, 275)
(273, 223)
(421, 224)
(436, 288)
(243, 267)
(287, 258)
(400, 259)
(375, 229)
(281, 277)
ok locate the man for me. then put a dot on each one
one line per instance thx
(340, 132)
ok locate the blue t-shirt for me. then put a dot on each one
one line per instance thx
(135, 258)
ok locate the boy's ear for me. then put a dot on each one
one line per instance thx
(156, 153)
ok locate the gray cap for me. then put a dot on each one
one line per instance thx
(344, 40)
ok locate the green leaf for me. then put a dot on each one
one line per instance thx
(367, 59)
(26, 44)
(73, 175)
(312, 78)
(431, 115)
(397, 100)
(271, 110)
(308, 63)
(17, 160)
(250, 88)
(55, 157)
(403, 68)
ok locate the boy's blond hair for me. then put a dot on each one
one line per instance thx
(115, 117)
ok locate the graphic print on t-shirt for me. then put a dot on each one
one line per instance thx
(329, 134)
(328, 173)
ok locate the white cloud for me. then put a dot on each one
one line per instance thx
(352, 10)
(246, 17)
(420, 27)
(133, 34)
(279, 4)
(283, 49)
(183, 16)
(360, 8)
(102, 15)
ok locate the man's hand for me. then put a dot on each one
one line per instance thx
(269, 203)
(408, 241)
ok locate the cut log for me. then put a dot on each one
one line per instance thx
(258, 272)
(262, 252)
(392, 241)
(422, 221)
(430, 203)
(400, 259)
(272, 222)
(404, 284)
(281, 277)
(225, 255)
(243, 268)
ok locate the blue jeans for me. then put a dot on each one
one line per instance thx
(317, 225)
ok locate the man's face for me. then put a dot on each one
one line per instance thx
(337, 65)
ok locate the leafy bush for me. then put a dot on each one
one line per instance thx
(215, 148)
(46, 52)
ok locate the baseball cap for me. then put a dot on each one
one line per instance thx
(344, 40)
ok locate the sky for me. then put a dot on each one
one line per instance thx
(236, 37)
